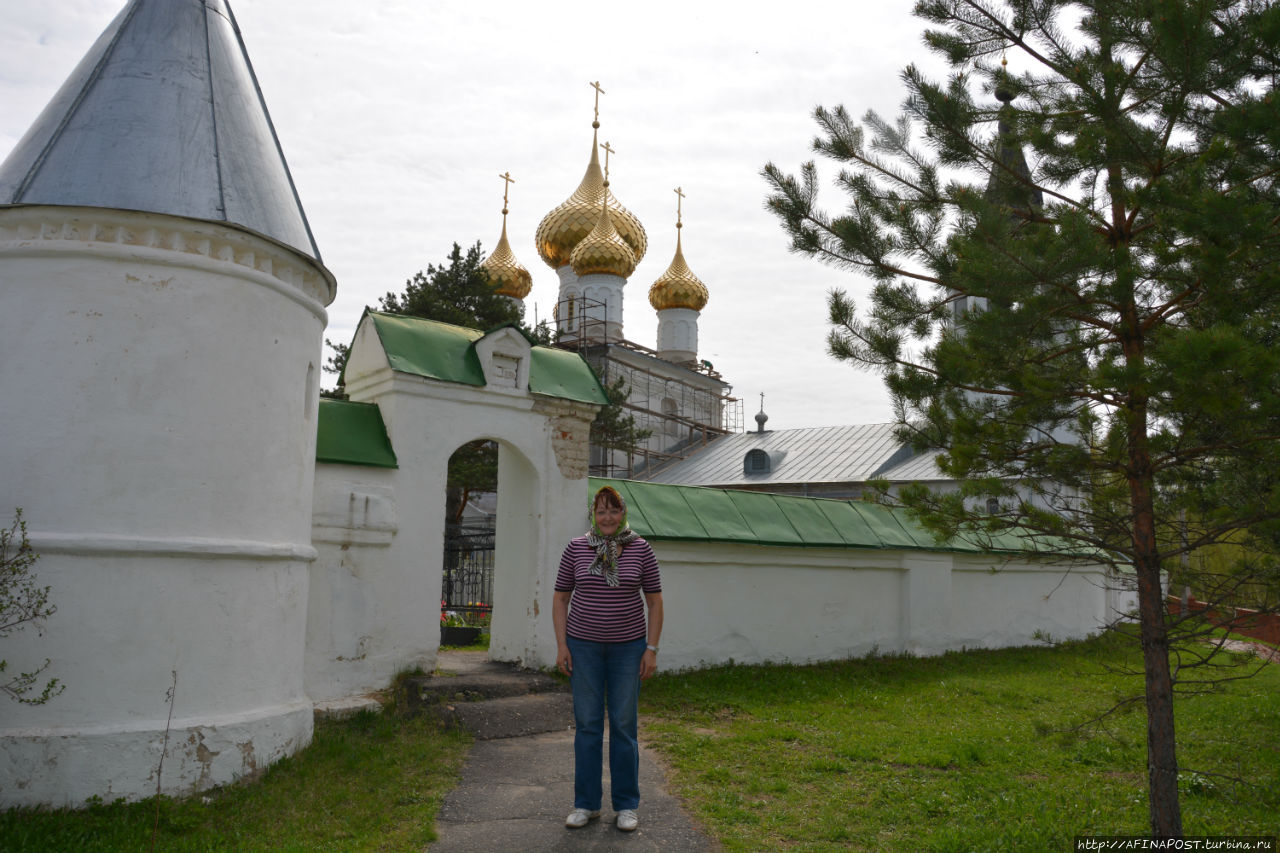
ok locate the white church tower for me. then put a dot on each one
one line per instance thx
(162, 303)
(679, 297)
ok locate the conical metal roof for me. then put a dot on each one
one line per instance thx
(163, 115)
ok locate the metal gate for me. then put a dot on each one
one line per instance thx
(468, 569)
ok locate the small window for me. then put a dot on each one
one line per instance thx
(993, 506)
(757, 462)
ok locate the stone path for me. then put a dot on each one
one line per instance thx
(517, 783)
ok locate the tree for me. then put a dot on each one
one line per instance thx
(22, 603)
(457, 293)
(1089, 339)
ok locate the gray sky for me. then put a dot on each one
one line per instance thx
(397, 117)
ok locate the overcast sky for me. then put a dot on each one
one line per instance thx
(398, 116)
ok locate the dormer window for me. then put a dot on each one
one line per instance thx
(756, 462)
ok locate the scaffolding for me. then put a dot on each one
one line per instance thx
(685, 406)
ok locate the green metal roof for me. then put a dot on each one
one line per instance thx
(446, 352)
(665, 512)
(353, 434)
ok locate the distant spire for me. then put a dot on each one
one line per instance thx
(1010, 181)
(761, 417)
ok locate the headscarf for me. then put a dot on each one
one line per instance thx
(608, 547)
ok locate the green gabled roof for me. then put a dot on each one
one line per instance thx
(665, 512)
(446, 352)
(353, 434)
(429, 348)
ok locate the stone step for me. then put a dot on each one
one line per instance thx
(511, 716)
(489, 699)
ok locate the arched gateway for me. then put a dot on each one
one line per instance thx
(424, 388)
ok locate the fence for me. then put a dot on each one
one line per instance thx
(467, 586)
(1237, 620)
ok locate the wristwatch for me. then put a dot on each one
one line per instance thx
(653, 649)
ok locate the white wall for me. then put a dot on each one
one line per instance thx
(751, 604)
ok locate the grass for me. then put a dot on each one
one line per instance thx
(373, 782)
(965, 752)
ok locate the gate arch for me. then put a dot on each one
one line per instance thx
(377, 580)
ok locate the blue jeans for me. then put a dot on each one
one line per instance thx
(606, 673)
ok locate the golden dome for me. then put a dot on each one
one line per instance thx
(507, 275)
(678, 287)
(563, 228)
(604, 250)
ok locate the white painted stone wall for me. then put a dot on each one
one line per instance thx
(158, 430)
(752, 604)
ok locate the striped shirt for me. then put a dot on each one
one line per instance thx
(603, 613)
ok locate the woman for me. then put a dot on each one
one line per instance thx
(608, 576)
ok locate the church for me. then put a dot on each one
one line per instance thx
(230, 555)
(594, 244)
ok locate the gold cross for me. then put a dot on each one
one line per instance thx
(506, 176)
(599, 92)
(679, 202)
(607, 152)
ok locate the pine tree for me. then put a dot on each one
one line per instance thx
(1088, 333)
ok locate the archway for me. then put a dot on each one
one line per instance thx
(470, 519)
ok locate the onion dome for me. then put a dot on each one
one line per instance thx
(564, 228)
(507, 275)
(604, 250)
(678, 287)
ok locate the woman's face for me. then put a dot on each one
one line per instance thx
(608, 518)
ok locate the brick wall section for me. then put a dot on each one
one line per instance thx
(570, 426)
(1238, 620)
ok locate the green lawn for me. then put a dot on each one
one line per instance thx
(966, 752)
(372, 782)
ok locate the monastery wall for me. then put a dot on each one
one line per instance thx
(752, 604)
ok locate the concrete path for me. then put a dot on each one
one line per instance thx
(517, 788)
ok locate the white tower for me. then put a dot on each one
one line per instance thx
(679, 297)
(162, 303)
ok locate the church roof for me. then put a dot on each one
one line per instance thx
(445, 352)
(842, 454)
(163, 115)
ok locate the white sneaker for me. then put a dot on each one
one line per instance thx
(579, 818)
(628, 820)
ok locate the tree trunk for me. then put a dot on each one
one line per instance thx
(1162, 757)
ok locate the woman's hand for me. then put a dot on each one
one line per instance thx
(648, 664)
(564, 661)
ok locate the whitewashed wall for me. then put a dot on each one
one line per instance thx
(752, 604)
